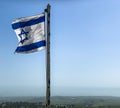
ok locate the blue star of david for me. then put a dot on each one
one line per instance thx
(21, 36)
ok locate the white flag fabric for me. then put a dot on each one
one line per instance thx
(31, 33)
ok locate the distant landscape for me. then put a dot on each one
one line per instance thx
(61, 102)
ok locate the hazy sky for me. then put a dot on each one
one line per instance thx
(85, 48)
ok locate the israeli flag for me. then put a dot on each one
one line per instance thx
(31, 33)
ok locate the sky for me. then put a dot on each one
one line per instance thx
(85, 49)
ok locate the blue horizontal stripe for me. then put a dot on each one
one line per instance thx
(31, 46)
(28, 23)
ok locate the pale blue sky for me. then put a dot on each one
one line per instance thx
(85, 48)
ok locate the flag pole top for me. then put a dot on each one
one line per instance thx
(48, 8)
(48, 5)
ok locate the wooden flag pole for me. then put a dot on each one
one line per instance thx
(48, 58)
